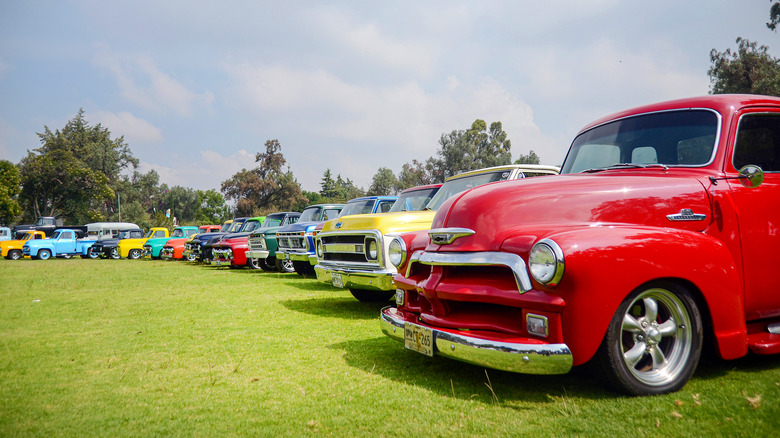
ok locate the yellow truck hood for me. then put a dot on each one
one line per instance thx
(397, 222)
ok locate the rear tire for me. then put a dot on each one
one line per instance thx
(134, 254)
(14, 254)
(654, 341)
(372, 296)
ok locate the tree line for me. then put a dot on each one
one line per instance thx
(84, 175)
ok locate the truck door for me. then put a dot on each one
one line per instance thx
(758, 210)
(66, 243)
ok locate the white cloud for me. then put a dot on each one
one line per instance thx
(206, 173)
(141, 82)
(127, 125)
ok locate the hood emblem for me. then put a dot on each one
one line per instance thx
(339, 224)
(445, 236)
(686, 215)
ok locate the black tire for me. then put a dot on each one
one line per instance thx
(115, 254)
(134, 254)
(268, 264)
(372, 296)
(285, 266)
(44, 254)
(253, 263)
(653, 343)
(191, 257)
(14, 254)
(304, 269)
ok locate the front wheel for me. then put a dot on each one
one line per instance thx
(371, 296)
(115, 254)
(268, 264)
(191, 257)
(44, 254)
(653, 343)
(14, 254)
(252, 263)
(304, 269)
(285, 266)
(134, 254)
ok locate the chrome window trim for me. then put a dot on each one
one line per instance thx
(719, 127)
(482, 258)
(739, 126)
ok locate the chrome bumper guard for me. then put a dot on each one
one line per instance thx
(380, 280)
(514, 357)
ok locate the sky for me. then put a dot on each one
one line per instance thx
(196, 88)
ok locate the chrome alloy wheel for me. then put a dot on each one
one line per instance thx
(657, 337)
(653, 342)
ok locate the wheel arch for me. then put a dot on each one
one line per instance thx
(604, 265)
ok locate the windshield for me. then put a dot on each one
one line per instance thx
(177, 233)
(225, 227)
(455, 186)
(310, 214)
(358, 207)
(413, 201)
(130, 234)
(235, 226)
(149, 234)
(251, 226)
(672, 138)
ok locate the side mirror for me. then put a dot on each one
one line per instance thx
(751, 176)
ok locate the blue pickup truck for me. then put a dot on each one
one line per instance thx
(295, 242)
(63, 243)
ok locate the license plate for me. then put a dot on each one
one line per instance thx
(337, 280)
(419, 339)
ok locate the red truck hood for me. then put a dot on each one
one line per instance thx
(501, 210)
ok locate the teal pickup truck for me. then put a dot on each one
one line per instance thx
(63, 243)
(154, 246)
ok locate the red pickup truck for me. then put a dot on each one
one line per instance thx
(658, 235)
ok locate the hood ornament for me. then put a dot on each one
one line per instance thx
(445, 236)
(339, 224)
(686, 215)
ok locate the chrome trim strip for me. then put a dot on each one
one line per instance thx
(485, 258)
(506, 356)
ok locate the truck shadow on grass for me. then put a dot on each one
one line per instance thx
(336, 307)
(451, 378)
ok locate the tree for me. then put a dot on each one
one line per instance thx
(383, 183)
(531, 158)
(774, 15)
(267, 187)
(475, 148)
(10, 184)
(213, 209)
(339, 189)
(416, 174)
(750, 69)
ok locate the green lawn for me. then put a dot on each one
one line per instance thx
(143, 348)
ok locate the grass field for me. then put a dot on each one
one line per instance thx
(144, 348)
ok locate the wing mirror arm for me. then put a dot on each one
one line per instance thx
(750, 176)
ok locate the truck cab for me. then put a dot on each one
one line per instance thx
(12, 249)
(64, 243)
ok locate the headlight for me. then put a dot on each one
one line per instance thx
(371, 249)
(396, 253)
(319, 248)
(546, 262)
(262, 243)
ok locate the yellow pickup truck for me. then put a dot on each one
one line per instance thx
(12, 249)
(133, 248)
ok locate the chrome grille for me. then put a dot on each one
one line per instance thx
(294, 241)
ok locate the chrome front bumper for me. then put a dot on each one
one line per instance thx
(380, 280)
(523, 358)
(166, 253)
(257, 254)
(292, 255)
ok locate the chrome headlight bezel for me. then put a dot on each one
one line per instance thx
(546, 262)
(318, 247)
(396, 252)
(371, 249)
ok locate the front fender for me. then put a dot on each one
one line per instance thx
(604, 264)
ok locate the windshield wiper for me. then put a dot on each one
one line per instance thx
(625, 166)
